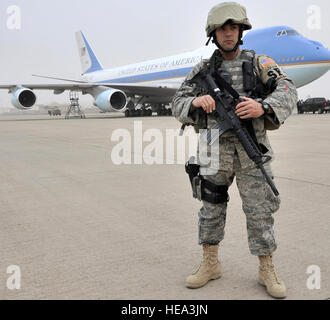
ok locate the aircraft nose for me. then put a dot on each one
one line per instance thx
(327, 54)
(316, 43)
(323, 53)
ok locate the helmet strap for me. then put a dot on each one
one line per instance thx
(215, 41)
(208, 41)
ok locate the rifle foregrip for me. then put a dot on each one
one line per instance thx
(248, 145)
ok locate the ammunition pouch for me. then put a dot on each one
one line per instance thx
(204, 190)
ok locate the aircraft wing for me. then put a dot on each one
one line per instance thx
(160, 91)
(130, 89)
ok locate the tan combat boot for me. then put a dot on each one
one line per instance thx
(209, 269)
(268, 278)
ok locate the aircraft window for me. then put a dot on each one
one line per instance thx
(298, 58)
(292, 59)
(292, 32)
(287, 33)
(302, 58)
(283, 60)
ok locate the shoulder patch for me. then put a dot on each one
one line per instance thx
(265, 62)
(268, 69)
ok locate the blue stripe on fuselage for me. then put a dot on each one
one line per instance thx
(176, 73)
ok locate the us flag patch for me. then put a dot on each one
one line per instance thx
(267, 61)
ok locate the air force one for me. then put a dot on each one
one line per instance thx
(138, 89)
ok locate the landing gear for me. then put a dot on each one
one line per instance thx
(74, 110)
(138, 110)
(141, 109)
(142, 112)
(163, 111)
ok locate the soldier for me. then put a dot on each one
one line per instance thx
(193, 106)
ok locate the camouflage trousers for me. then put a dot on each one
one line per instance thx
(259, 204)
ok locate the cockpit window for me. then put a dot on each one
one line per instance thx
(292, 32)
(287, 33)
(281, 33)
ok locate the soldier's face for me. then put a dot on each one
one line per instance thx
(227, 36)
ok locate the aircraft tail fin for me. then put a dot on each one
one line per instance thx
(88, 59)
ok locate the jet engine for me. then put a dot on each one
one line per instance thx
(111, 100)
(23, 99)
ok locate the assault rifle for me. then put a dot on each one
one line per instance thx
(227, 119)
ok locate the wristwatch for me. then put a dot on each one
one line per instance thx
(265, 107)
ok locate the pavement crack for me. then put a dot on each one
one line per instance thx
(304, 181)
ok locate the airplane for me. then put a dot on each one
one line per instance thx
(139, 89)
(302, 59)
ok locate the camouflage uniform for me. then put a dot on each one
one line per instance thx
(259, 202)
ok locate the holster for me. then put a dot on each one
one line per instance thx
(203, 189)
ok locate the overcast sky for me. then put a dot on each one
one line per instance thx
(126, 31)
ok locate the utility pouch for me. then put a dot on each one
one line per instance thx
(248, 76)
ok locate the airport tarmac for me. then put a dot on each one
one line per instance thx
(80, 227)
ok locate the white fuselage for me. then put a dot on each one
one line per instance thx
(171, 71)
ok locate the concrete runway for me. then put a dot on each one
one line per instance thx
(80, 227)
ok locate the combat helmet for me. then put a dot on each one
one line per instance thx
(223, 13)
